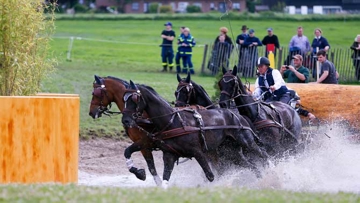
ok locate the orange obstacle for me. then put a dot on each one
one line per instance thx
(39, 139)
(331, 102)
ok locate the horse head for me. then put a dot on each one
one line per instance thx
(184, 91)
(134, 105)
(105, 91)
(229, 87)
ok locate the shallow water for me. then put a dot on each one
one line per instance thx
(327, 165)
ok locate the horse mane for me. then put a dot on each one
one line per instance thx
(200, 89)
(124, 82)
(152, 91)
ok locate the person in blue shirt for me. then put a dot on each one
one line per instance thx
(186, 43)
(167, 52)
(318, 42)
(177, 56)
(251, 54)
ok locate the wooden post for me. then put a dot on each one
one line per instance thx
(317, 66)
(203, 64)
(280, 59)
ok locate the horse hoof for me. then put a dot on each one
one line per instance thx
(210, 177)
(140, 174)
(165, 184)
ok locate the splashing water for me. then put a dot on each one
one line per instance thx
(330, 163)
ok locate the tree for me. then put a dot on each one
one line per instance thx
(24, 45)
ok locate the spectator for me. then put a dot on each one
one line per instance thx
(321, 43)
(328, 73)
(297, 73)
(177, 56)
(299, 44)
(356, 56)
(221, 52)
(271, 42)
(251, 43)
(186, 42)
(167, 52)
(270, 82)
(240, 40)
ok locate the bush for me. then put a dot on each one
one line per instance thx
(24, 37)
(166, 9)
(153, 8)
(193, 9)
(279, 7)
(79, 8)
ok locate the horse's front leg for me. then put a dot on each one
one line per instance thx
(203, 162)
(147, 153)
(139, 173)
(169, 162)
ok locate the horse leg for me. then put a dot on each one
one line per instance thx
(151, 165)
(169, 162)
(247, 139)
(139, 173)
(203, 162)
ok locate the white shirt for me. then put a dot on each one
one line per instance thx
(278, 80)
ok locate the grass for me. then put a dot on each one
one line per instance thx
(73, 193)
(129, 49)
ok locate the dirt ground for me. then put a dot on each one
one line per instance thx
(106, 156)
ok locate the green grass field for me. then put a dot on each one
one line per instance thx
(73, 193)
(129, 49)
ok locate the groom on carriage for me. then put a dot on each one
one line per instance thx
(270, 86)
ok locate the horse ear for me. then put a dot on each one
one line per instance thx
(224, 70)
(188, 78)
(178, 77)
(133, 86)
(97, 79)
(234, 71)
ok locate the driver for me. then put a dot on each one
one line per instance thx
(270, 82)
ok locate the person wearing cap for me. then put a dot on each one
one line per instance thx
(269, 40)
(356, 56)
(240, 40)
(270, 82)
(297, 73)
(320, 43)
(186, 42)
(167, 52)
(177, 56)
(250, 43)
(328, 73)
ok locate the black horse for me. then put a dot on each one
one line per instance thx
(190, 93)
(187, 132)
(278, 124)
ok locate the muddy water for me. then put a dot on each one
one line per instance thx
(328, 165)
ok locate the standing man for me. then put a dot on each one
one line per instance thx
(271, 40)
(186, 43)
(270, 81)
(299, 44)
(297, 73)
(177, 56)
(251, 43)
(321, 43)
(240, 41)
(328, 73)
(167, 52)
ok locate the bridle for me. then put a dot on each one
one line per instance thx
(226, 79)
(135, 96)
(190, 90)
(100, 93)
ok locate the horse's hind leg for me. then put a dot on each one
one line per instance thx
(139, 173)
(151, 165)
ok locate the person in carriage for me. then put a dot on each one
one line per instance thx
(270, 86)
